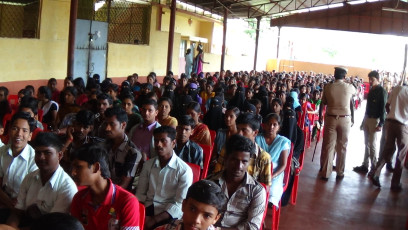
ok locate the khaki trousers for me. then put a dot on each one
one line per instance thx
(335, 138)
(396, 132)
(370, 140)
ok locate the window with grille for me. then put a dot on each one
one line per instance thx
(129, 23)
(19, 18)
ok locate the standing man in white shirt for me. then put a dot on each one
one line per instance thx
(396, 127)
(164, 181)
(46, 190)
(16, 161)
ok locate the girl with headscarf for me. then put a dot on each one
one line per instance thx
(213, 117)
(296, 103)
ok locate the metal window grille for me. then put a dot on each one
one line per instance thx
(19, 18)
(129, 23)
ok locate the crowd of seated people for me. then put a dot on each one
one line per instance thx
(131, 144)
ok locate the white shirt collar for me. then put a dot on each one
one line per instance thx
(25, 154)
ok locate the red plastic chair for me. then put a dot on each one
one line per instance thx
(196, 171)
(212, 134)
(293, 195)
(276, 212)
(45, 125)
(266, 203)
(207, 150)
(35, 133)
(13, 100)
(6, 121)
(40, 115)
(142, 212)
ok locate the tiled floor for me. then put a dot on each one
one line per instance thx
(353, 203)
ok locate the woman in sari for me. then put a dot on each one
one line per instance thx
(48, 106)
(163, 117)
(69, 107)
(278, 147)
(199, 60)
(201, 133)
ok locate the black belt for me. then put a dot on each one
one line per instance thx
(371, 116)
(337, 116)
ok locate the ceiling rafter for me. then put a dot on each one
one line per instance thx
(261, 8)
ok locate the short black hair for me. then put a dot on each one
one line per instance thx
(93, 153)
(302, 95)
(25, 92)
(207, 192)
(239, 143)
(166, 99)
(186, 120)
(235, 110)
(46, 91)
(272, 116)
(255, 101)
(126, 95)
(171, 132)
(85, 118)
(114, 87)
(105, 96)
(24, 116)
(340, 73)
(57, 220)
(52, 80)
(277, 100)
(374, 74)
(30, 89)
(120, 114)
(149, 101)
(5, 90)
(72, 90)
(48, 139)
(250, 119)
(29, 102)
(194, 106)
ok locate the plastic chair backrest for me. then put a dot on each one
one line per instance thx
(302, 119)
(266, 203)
(35, 133)
(142, 212)
(13, 99)
(212, 134)
(6, 119)
(196, 171)
(206, 159)
(287, 169)
(40, 115)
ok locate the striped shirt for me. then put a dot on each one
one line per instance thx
(246, 206)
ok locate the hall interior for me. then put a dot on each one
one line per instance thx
(351, 203)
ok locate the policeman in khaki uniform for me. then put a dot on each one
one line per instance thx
(338, 120)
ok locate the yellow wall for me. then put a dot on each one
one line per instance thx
(30, 59)
(124, 60)
(315, 67)
(46, 57)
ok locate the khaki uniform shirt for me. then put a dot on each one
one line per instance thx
(337, 97)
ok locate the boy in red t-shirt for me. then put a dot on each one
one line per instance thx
(102, 205)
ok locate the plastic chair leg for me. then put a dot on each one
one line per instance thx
(275, 217)
(293, 195)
